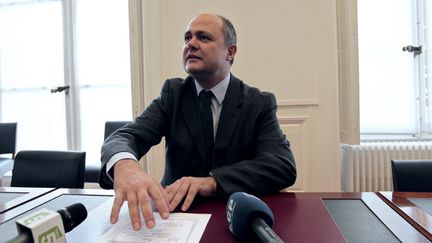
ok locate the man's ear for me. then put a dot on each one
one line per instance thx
(232, 51)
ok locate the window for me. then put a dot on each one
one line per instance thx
(394, 83)
(80, 44)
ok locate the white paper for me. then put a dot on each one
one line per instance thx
(165, 231)
(178, 228)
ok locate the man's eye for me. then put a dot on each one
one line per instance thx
(187, 38)
(204, 37)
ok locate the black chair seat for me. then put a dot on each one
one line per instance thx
(7, 146)
(8, 138)
(58, 169)
(92, 173)
(412, 175)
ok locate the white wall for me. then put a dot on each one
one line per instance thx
(288, 47)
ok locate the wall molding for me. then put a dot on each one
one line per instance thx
(292, 119)
(298, 102)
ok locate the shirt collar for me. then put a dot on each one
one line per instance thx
(219, 90)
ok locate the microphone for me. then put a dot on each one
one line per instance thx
(250, 218)
(48, 226)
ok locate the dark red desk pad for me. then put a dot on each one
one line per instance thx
(296, 220)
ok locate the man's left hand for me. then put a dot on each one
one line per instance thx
(188, 188)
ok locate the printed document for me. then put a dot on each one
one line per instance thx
(178, 228)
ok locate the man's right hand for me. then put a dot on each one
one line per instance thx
(134, 185)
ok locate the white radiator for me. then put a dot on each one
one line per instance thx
(367, 167)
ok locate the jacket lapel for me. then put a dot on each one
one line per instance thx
(230, 114)
(192, 118)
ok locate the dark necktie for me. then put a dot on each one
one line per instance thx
(207, 124)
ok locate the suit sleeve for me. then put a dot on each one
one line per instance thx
(272, 166)
(139, 136)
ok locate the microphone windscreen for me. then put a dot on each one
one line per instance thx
(73, 215)
(242, 209)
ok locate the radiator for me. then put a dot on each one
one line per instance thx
(367, 167)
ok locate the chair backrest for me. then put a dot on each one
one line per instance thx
(92, 171)
(112, 126)
(58, 169)
(412, 175)
(8, 138)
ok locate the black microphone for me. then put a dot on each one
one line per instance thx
(250, 219)
(48, 226)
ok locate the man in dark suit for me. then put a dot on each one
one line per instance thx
(217, 142)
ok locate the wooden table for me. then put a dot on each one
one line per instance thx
(94, 226)
(299, 217)
(11, 197)
(404, 204)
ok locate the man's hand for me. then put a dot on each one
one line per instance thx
(134, 185)
(189, 187)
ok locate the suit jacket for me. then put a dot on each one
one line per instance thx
(251, 153)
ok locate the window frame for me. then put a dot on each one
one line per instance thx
(349, 81)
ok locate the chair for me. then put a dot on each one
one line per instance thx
(112, 126)
(58, 169)
(412, 175)
(92, 171)
(8, 138)
(7, 146)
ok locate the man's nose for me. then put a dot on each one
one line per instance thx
(192, 44)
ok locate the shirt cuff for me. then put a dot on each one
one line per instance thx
(116, 157)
